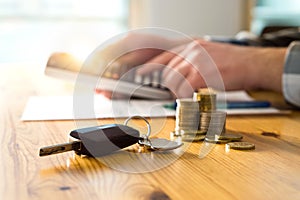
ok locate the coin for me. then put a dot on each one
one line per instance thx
(188, 132)
(197, 96)
(188, 137)
(214, 140)
(229, 136)
(240, 146)
(163, 144)
(193, 138)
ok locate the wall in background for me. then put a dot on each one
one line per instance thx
(195, 17)
(30, 30)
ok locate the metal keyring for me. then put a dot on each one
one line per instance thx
(140, 117)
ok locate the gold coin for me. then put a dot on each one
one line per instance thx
(214, 140)
(229, 136)
(193, 138)
(240, 146)
(188, 137)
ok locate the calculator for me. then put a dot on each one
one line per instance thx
(65, 66)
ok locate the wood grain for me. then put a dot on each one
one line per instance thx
(271, 171)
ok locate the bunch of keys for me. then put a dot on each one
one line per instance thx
(103, 140)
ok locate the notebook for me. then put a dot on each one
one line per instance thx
(67, 67)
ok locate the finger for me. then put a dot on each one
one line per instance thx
(196, 80)
(138, 56)
(184, 79)
(182, 68)
(182, 87)
(185, 89)
(123, 64)
(172, 65)
(104, 93)
(110, 94)
(190, 83)
(156, 63)
(178, 58)
(163, 59)
(174, 77)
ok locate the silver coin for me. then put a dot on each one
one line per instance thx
(161, 144)
(188, 137)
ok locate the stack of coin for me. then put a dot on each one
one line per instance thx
(187, 116)
(195, 117)
(213, 121)
(206, 100)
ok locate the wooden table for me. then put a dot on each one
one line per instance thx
(271, 171)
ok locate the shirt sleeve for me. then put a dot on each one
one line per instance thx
(291, 74)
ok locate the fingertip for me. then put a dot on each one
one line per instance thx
(147, 68)
(140, 71)
(106, 94)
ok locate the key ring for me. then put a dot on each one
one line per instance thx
(156, 144)
(147, 123)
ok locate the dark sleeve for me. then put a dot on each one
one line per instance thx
(282, 38)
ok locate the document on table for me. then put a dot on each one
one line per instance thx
(62, 108)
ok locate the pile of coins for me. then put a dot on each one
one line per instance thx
(197, 119)
(187, 116)
(213, 121)
(206, 99)
(197, 116)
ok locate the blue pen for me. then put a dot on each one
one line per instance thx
(229, 40)
(171, 106)
(231, 105)
(247, 104)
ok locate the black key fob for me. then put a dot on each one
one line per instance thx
(103, 140)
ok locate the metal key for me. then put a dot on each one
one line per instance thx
(103, 140)
(96, 141)
(156, 144)
(160, 144)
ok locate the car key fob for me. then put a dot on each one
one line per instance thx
(103, 140)
(96, 141)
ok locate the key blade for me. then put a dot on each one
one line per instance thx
(60, 148)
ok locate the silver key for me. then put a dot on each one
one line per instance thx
(157, 144)
(160, 144)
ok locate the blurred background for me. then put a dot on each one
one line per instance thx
(30, 30)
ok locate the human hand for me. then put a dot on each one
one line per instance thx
(130, 51)
(231, 67)
(185, 69)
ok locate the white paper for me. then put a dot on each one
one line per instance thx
(239, 95)
(62, 108)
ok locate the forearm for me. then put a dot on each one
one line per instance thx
(248, 68)
(265, 68)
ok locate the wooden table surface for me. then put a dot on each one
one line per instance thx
(271, 171)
